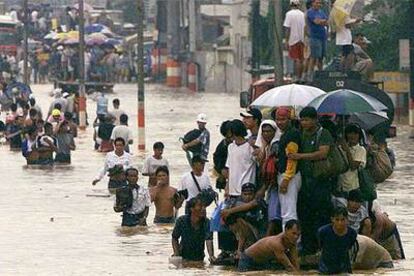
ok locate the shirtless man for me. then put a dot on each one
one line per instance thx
(165, 197)
(281, 248)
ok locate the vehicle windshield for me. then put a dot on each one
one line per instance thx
(7, 39)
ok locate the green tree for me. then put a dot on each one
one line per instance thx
(391, 20)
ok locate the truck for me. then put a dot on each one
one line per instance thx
(8, 35)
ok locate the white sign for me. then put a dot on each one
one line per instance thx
(404, 54)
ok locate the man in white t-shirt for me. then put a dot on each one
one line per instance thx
(123, 131)
(153, 162)
(117, 112)
(240, 165)
(344, 40)
(295, 31)
(190, 180)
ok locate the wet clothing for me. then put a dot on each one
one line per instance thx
(115, 184)
(64, 140)
(192, 240)
(314, 201)
(241, 165)
(16, 140)
(133, 219)
(393, 245)
(204, 138)
(164, 220)
(334, 257)
(63, 158)
(246, 263)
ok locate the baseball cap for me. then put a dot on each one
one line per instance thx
(198, 158)
(55, 112)
(202, 118)
(252, 112)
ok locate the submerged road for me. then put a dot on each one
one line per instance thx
(54, 222)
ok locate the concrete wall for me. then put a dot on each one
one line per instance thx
(225, 66)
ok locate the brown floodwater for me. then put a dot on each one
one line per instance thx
(54, 222)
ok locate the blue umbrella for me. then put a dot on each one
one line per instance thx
(346, 102)
(95, 28)
(22, 90)
(113, 42)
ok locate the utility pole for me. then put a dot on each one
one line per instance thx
(411, 98)
(140, 72)
(25, 43)
(278, 48)
(255, 38)
(82, 96)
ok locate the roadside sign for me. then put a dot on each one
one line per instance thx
(394, 82)
(404, 54)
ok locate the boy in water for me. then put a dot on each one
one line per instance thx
(153, 162)
(165, 197)
(336, 239)
(137, 213)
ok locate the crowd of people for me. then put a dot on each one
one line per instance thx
(51, 57)
(306, 41)
(43, 138)
(279, 201)
(277, 206)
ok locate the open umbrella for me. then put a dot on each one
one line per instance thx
(112, 42)
(295, 95)
(346, 102)
(96, 39)
(346, 8)
(368, 120)
(17, 89)
(95, 28)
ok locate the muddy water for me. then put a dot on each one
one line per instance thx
(54, 222)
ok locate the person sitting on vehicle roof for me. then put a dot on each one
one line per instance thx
(363, 62)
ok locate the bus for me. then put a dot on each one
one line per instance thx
(8, 35)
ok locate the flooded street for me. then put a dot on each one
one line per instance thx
(54, 222)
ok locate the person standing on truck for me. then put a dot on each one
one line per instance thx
(295, 29)
(317, 21)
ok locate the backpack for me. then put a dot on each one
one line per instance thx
(333, 165)
(379, 165)
(124, 198)
(190, 136)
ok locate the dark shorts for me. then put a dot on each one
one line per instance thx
(347, 49)
(246, 263)
(47, 161)
(62, 158)
(159, 219)
(133, 219)
(318, 48)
